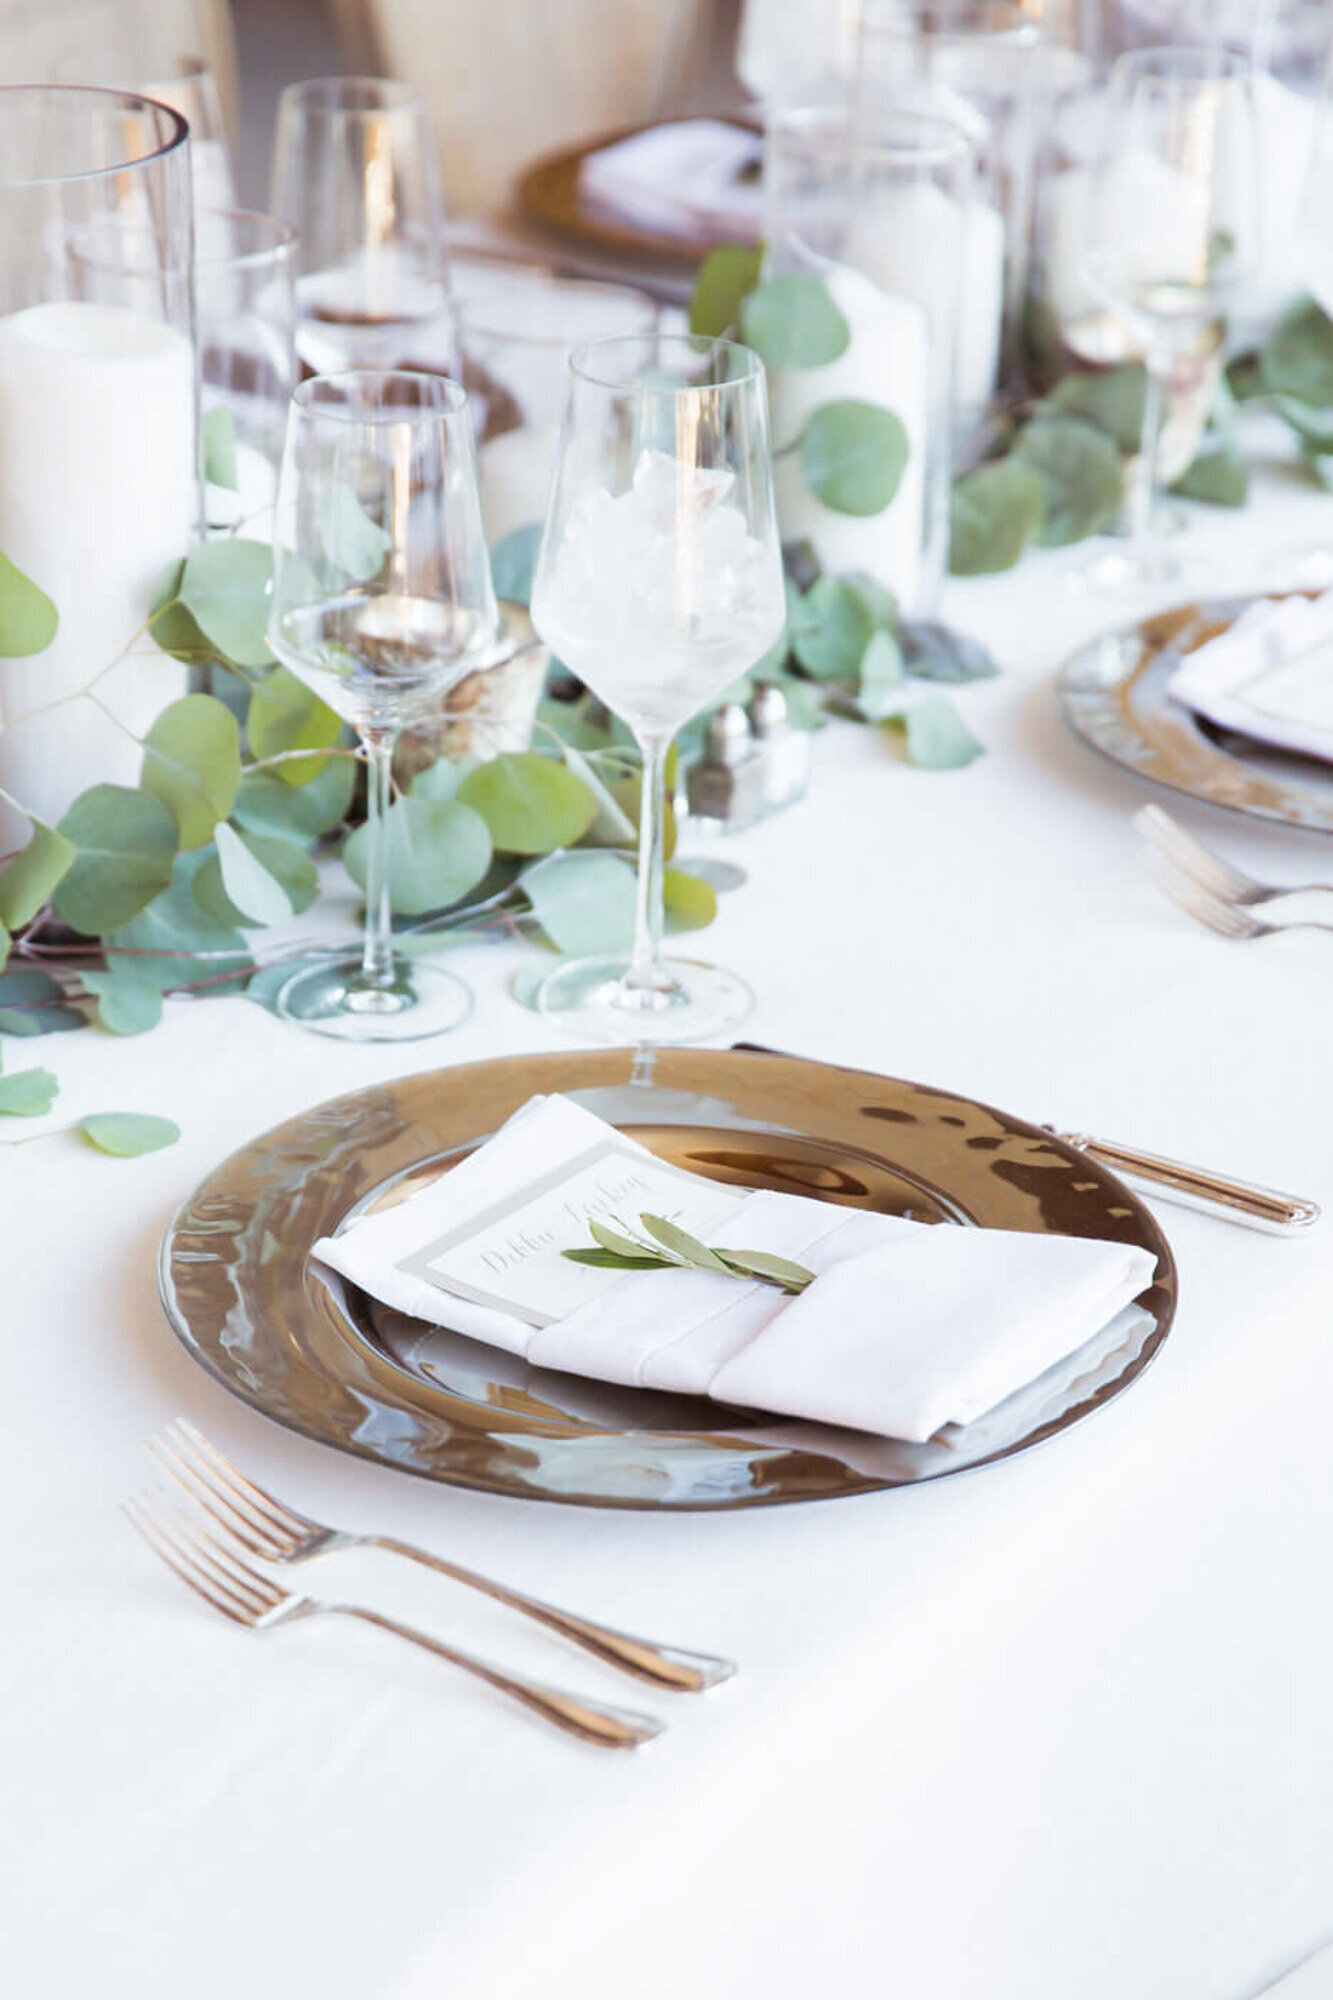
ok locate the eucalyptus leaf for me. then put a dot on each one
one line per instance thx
(28, 618)
(613, 825)
(266, 805)
(530, 803)
(217, 433)
(353, 542)
(1110, 398)
(192, 764)
(690, 902)
(259, 896)
(1297, 358)
(1220, 476)
(225, 586)
(438, 849)
(995, 512)
(284, 861)
(830, 630)
(1313, 426)
(793, 321)
(937, 737)
(441, 779)
(853, 455)
(584, 902)
(878, 599)
(933, 652)
(28, 882)
(879, 678)
(513, 561)
(28, 1093)
(286, 715)
(128, 1134)
(726, 275)
(126, 1005)
(1081, 477)
(125, 844)
(32, 1003)
(175, 943)
(173, 629)
(6, 942)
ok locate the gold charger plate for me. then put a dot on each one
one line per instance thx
(1113, 692)
(551, 190)
(239, 1287)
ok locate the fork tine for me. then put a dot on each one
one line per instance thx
(1209, 869)
(181, 1566)
(242, 1526)
(244, 1489)
(1224, 918)
(230, 1569)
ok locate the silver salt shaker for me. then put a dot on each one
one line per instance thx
(783, 751)
(725, 788)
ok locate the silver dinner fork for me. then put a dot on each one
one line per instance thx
(1205, 866)
(265, 1526)
(1229, 920)
(257, 1602)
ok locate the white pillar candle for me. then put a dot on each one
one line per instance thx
(907, 241)
(886, 361)
(98, 495)
(515, 471)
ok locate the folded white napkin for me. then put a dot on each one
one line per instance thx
(906, 1329)
(679, 179)
(1270, 676)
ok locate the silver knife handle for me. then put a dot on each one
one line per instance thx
(1213, 1194)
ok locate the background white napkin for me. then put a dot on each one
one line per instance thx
(680, 180)
(1270, 676)
(907, 1328)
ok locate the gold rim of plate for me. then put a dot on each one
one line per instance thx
(240, 1290)
(1113, 693)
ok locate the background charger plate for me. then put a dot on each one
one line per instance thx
(1113, 692)
(239, 1287)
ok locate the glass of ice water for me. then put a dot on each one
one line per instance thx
(659, 582)
(382, 600)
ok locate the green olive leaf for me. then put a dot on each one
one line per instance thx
(853, 455)
(28, 618)
(793, 321)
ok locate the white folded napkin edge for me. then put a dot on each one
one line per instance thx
(1269, 676)
(907, 1329)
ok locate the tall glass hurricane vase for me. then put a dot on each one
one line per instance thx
(99, 488)
(659, 581)
(382, 600)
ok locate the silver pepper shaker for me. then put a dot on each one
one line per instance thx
(725, 788)
(783, 751)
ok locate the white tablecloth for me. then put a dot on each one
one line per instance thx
(1061, 1727)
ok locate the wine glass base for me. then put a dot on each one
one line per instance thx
(1121, 567)
(591, 999)
(330, 998)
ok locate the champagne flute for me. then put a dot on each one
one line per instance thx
(382, 600)
(659, 581)
(355, 173)
(1174, 232)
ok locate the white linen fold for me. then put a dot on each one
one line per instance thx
(906, 1329)
(681, 179)
(1269, 676)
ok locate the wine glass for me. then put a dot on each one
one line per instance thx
(1173, 234)
(382, 600)
(659, 581)
(355, 172)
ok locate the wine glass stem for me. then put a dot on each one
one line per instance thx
(1144, 495)
(377, 952)
(646, 973)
